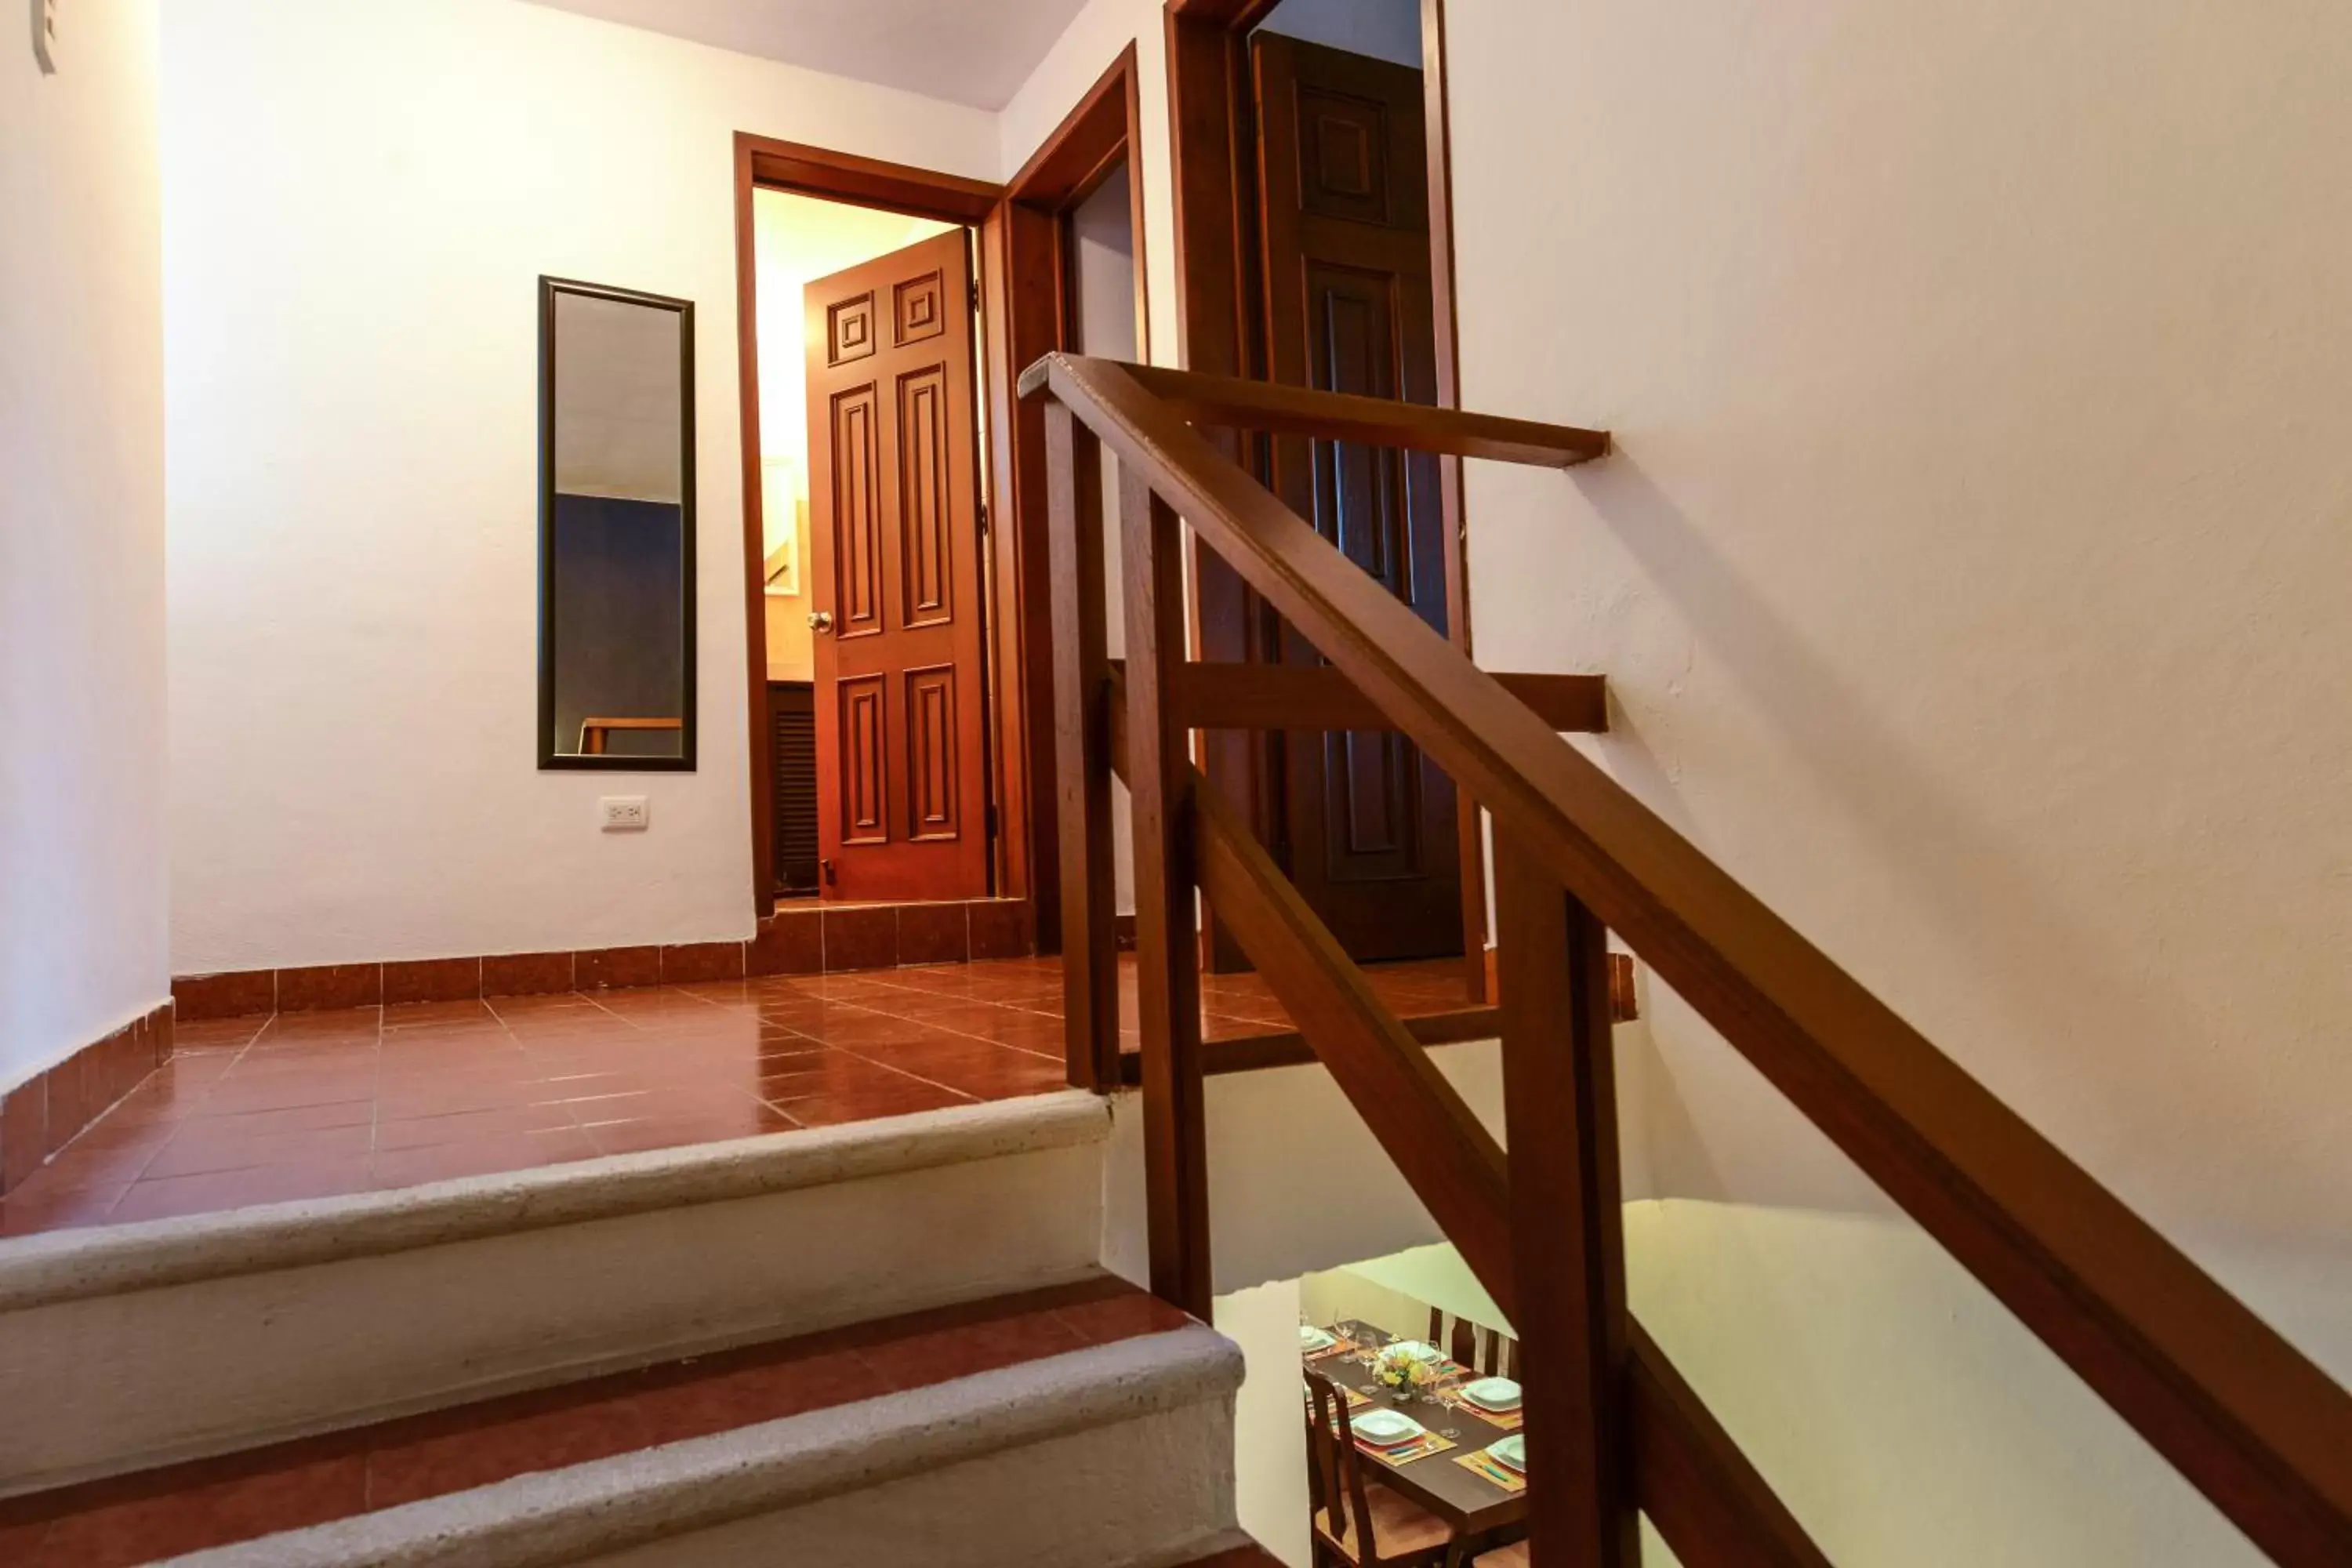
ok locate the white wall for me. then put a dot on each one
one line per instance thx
(1297, 1183)
(1077, 60)
(360, 199)
(1269, 1433)
(82, 863)
(1969, 582)
(1901, 1412)
(1970, 576)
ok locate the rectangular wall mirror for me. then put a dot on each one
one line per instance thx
(615, 529)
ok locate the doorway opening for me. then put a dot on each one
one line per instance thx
(874, 761)
(902, 747)
(1312, 194)
(877, 674)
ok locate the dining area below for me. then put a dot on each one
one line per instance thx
(1414, 1450)
(1379, 1424)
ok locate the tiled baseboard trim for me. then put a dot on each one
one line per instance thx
(40, 1116)
(816, 939)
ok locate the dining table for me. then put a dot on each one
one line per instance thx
(1472, 1505)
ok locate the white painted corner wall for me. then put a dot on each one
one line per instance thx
(360, 198)
(1969, 577)
(350, 407)
(1969, 583)
(83, 943)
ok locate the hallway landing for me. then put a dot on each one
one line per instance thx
(273, 1108)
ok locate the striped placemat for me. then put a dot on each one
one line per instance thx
(1429, 1443)
(1485, 1466)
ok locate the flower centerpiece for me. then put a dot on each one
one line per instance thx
(1406, 1368)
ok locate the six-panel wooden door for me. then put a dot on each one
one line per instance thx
(894, 525)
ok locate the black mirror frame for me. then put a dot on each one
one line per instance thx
(549, 759)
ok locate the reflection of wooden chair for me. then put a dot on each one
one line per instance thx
(595, 733)
(1487, 1351)
(1358, 1524)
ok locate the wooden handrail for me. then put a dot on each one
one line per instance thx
(1709, 1501)
(1229, 402)
(2248, 1420)
(1301, 697)
(1453, 1163)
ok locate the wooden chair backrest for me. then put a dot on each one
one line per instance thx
(1335, 1484)
(1490, 1353)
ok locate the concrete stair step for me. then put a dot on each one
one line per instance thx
(136, 1346)
(1086, 1425)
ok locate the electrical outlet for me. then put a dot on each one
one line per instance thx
(626, 813)
(44, 35)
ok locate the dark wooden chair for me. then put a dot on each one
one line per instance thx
(1512, 1556)
(1361, 1524)
(1490, 1353)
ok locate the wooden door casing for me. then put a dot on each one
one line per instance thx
(1369, 821)
(894, 525)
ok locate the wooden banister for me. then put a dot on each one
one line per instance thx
(1227, 401)
(2264, 1434)
(1453, 1163)
(1300, 697)
(1082, 722)
(1684, 1469)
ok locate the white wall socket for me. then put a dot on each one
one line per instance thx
(44, 35)
(626, 812)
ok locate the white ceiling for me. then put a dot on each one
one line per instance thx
(966, 51)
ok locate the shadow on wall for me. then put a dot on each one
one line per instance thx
(1960, 869)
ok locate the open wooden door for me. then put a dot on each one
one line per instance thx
(1369, 821)
(894, 526)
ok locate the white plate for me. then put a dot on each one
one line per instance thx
(1511, 1453)
(1493, 1393)
(1386, 1428)
(1314, 1339)
(1420, 1349)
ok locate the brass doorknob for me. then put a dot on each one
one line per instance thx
(821, 620)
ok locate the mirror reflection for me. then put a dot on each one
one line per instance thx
(616, 528)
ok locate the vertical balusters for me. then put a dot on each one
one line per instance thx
(1168, 977)
(1567, 1227)
(1082, 750)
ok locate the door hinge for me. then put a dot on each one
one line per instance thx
(984, 520)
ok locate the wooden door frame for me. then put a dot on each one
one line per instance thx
(1103, 129)
(862, 182)
(1220, 296)
(1028, 303)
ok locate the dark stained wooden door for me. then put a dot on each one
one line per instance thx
(894, 526)
(1368, 821)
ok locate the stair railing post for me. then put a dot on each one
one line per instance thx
(1082, 768)
(1167, 974)
(1568, 1240)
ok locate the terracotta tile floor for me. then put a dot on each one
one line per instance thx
(213, 1502)
(300, 1105)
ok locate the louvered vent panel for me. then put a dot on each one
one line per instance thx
(791, 730)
